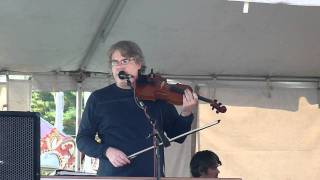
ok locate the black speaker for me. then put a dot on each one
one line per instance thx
(19, 145)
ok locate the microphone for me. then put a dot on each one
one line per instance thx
(124, 75)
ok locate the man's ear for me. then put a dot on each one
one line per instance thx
(142, 69)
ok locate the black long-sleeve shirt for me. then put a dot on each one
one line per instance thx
(120, 123)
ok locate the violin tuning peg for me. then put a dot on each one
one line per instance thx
(217, 111)
(151, 73)
(219, 104)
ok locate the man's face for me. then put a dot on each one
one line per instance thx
(131, 68)
(212, 173)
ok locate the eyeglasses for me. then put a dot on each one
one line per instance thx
(121, 62)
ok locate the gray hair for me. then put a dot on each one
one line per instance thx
(128, 49)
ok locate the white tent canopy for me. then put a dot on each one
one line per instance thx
(180, 37)
(205, 41)
(290, 2)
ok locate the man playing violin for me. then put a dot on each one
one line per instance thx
(123, 127)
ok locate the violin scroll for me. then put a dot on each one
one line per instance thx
(218, 106)
(215, 105)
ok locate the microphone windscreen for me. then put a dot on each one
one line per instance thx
(123, 75)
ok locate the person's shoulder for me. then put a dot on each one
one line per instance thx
(99, 93)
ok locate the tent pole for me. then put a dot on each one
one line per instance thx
(78, 119)
(318, 90)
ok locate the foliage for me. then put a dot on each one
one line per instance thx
(69, 113)
(69, 121)
(43, 102)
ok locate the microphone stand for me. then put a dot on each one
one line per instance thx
(158, 139)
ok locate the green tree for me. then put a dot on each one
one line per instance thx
(43, 102)
(69, 113)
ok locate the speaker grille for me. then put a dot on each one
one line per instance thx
(19, 146)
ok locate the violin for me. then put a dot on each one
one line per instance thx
(154, 87)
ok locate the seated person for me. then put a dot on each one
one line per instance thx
(205, 164)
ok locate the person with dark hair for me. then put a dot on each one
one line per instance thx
(122, 126)
(205, 164)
